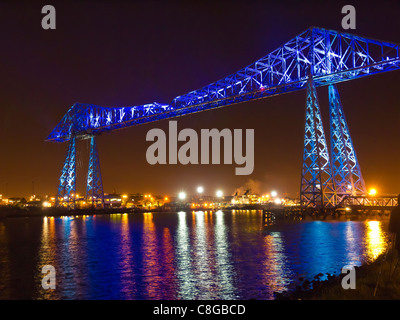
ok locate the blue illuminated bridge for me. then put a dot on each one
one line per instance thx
(316, 57)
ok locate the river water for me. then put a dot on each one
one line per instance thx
(182, 255)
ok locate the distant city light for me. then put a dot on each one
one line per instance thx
(200, 189)
(274, 193)
(182, 196)
(46, 204)
(219, 193)
(372, 192)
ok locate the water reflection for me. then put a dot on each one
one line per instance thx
(184, 255)
(73, 257)
(353, 249)
(169, 286)
(375, 240)
(126, 265)
(226, 273)
(151, 264)
(47, 255)
(186, 288)
(276, 274)
(203, 263)
(321, 245)
(205, 269)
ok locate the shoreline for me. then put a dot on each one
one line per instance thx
(16, 212)
(54, 212)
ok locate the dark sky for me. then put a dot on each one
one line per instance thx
(122, 53)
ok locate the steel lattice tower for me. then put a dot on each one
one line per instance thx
(317, 184)
(345, 168)
(67, 187)
(94, 189)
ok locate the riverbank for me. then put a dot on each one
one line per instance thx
(367, 276)
(21, 212)
(13, 212)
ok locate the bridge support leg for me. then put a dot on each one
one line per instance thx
(94, 188)
(317, 188)
(345, 168)
(67, 187)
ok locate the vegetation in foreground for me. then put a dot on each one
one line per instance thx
(379, 280)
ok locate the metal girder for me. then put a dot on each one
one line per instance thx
(329, 56)
(94, 188)
(346, 170)
(67, 187)
(387, 201)
(317, 189)
(84, 120)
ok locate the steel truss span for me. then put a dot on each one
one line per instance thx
(316, 57)
(327, 56)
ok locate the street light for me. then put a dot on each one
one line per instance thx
(200, 189)
(219, 194)
(182, 195)
(274, 193)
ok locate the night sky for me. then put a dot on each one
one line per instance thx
(123, 53)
